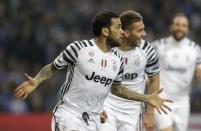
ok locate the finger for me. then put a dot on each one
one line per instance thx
(20, 95)
(158, 110)
(18, 88)
(167, 100)
(18, 92)
(167, 107)
(27, 76)
(163, 110)
(25, 96)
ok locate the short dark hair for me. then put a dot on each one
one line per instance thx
(101, 20)
(128, 17)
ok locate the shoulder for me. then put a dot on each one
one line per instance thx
(192, 44)
(80, 44)
(160, 42)
(147, 47)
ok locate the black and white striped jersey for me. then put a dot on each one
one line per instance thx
(178, 60)
(90, 75)
(138, 62)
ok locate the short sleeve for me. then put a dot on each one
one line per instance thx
(152, 66)
(67, 57)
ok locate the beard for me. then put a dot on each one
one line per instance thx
(112, 42)
(178, 36)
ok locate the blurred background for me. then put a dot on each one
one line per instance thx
(33, 32)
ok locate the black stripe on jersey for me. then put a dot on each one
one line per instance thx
(152, 57)
(66, 86)
(145, 45)
(69, 54)
(152, 74)
(116, 53)
(59, 60)
(151, 64)
(90, 43)
(149, 46)
(76, 44)
(80, 44)
(150, 51)
(58, 66)
(75, 52)
(120, 72)
(116, 82)
(84, 43)
(66, 59)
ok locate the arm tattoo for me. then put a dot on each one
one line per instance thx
(45, 73)
(124, 92)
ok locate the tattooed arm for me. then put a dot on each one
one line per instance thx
(152, 99)
(23, 90)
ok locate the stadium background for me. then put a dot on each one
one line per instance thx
(33, 32)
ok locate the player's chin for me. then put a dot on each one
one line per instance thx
(179, 36)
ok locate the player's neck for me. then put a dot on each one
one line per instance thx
(102, 44)
(127, 45)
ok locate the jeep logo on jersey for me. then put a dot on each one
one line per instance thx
(98, 79)
(129, 76)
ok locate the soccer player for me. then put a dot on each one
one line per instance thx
(179, 58)
(93, 70)
(140, 59)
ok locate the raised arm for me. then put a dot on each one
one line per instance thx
(152, 99)
(28, 86)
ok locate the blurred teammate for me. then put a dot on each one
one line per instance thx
(93, 69)
(180, 58)
(140, 59)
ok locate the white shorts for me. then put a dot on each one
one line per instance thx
(72, 120)
(178, 118)
(118, 121)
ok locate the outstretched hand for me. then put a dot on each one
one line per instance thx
(23, 90)
(158, 102)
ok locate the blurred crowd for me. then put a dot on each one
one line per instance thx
(33, 32)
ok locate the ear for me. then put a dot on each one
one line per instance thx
(126, 33)
(105, 31)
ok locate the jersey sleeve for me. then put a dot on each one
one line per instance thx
(118, 79)
(152, 66)
(67, 57)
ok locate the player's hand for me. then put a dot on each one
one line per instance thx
(148, 121)
(157, 102)
(103, 116)
(23, 90)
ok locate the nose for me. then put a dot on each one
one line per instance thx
(121, 31)
(144, 33)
